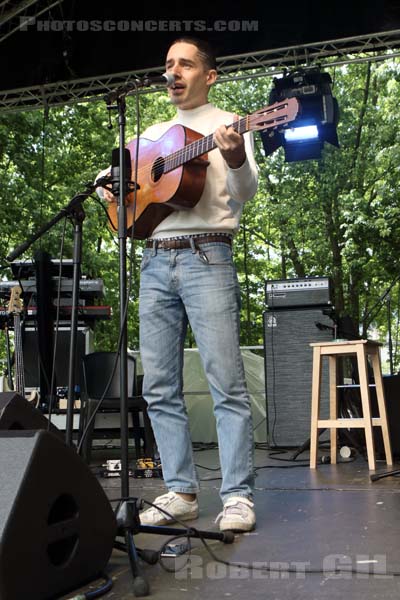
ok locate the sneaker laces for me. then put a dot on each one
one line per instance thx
(162, 502)
(235, 506)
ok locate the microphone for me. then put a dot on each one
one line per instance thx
(115, 170)
(166, 79)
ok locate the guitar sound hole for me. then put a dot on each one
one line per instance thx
(157, 169)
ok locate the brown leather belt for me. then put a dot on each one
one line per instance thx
(176, 244)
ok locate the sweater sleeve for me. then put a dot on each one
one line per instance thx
(242, 183)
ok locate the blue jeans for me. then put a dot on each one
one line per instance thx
(177, 287)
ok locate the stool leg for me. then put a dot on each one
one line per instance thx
(380, 396)
(366, 406)
(315, 396)
(333, 410)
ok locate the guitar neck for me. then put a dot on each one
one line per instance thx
(199, 147)
(18, 357)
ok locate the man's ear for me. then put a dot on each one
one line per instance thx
(211, 76)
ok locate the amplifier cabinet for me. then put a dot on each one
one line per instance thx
(288, 372)
(31, 357)
(310, 291)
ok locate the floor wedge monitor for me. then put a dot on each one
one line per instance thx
(16, 413)
(57, 527)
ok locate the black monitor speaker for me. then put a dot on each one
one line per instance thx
(16, 413)
(56, 525)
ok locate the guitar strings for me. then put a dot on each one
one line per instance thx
(197, 148)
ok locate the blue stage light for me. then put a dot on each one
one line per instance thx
(316, 124)
(302, 133)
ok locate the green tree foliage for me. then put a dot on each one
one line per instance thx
(337, 216)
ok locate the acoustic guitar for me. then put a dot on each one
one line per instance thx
(172, 169)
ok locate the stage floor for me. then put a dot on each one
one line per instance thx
(309, 523)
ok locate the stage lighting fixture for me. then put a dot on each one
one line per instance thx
(316, 124)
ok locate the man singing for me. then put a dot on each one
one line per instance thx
(188, 276)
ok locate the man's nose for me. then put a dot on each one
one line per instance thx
(175, 70)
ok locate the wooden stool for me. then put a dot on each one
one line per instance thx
(362, 349)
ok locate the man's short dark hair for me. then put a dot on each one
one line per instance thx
(204, 50)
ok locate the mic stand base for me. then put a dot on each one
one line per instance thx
(127, 515)
(128, 522)
(305, 446)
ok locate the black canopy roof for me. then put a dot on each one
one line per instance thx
(86, 38)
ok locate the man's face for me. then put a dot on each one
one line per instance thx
(192, 78)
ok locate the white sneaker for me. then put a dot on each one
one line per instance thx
(175, 505)
(237, 515)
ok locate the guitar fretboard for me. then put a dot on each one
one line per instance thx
(199, 147)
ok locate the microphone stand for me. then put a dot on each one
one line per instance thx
(73, 210)
(374, 311)
(127, 512)
(389, 324)
(385, 295)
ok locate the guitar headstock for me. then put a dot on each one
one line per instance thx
(15, 303)
(274, 115)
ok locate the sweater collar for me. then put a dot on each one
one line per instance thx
(193, 112)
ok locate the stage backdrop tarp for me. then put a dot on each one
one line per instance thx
(199, 402)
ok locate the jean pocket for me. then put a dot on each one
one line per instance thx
(215, 254)
(146, 258)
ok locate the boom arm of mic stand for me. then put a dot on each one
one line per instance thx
(379, 303)
(64, 212)
(120, 92)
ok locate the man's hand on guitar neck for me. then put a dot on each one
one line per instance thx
(231, 145)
